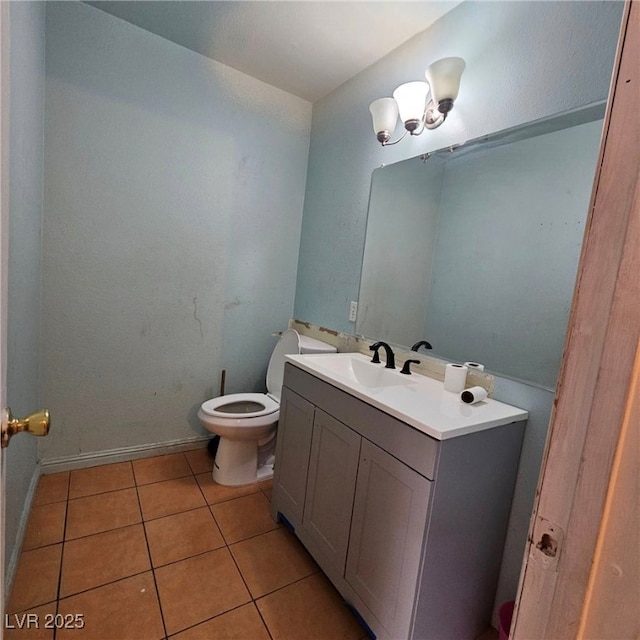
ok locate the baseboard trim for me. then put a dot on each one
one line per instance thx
(12, 565)
(123, 454)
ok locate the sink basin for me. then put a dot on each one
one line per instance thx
(359, 371)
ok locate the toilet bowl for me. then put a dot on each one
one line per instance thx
(246, 422)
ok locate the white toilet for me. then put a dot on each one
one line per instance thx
(246, 422)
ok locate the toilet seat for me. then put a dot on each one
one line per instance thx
(235, 416)
(238, 405)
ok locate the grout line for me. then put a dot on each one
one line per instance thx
(193, 555)
(264, 622)
(153, 570)
(64, 540)
(101, 493)
(173, 455)
(289, 584)
(277, 527)
(105, 584)
(159, 480)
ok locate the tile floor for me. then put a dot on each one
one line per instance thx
(154, 549)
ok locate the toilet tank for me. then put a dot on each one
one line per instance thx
(311, 345)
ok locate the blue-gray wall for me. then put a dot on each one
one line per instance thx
(26, 38)
(525, 61)
(174, 188)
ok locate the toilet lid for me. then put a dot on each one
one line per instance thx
(289, 343)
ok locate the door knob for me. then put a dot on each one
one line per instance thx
(36, 424)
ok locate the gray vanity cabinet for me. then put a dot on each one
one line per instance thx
(408, 528)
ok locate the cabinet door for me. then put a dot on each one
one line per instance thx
(387, 533)
(333, 468)
(293, 447)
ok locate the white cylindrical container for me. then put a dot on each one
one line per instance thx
(474, 365)
(455, 377)
(473, 395)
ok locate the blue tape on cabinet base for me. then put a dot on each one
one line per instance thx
(286, 523)
(361, 620)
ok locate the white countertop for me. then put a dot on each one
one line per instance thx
(419, 401)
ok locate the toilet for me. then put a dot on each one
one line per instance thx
(246, 422)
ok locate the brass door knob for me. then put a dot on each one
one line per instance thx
(36, 424)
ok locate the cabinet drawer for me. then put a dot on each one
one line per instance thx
(414, 448)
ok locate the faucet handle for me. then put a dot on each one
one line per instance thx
(376, 355)
(406, 367)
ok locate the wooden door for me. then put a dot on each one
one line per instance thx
(591, 426)
(4, 255)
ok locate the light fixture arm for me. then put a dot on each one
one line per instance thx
(432, 118)
(384, 136)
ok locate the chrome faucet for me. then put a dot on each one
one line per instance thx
(391, 359)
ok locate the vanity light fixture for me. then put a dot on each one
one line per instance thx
(410, 102)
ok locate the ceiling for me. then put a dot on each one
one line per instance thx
(304, 47)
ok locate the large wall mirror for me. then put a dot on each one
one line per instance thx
(475, 248)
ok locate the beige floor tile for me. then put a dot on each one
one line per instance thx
(489, 634)
(182, 535)
(244, 517)
(309, 609)
(36, 580)
(171, 496)
(271, 561)
(243, 623)
(214, 492)
(46, 525)
(104, 557)
(160, 468)
(267, 488)
(199, 460)
(123, 610)
(35, 624)
(102, 512)
(52, 488)
(194, 590)
(107, 477)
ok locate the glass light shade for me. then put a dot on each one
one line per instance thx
(384, 113)
(411, 98)
(444, 78)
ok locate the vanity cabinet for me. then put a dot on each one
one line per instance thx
(408, 528)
